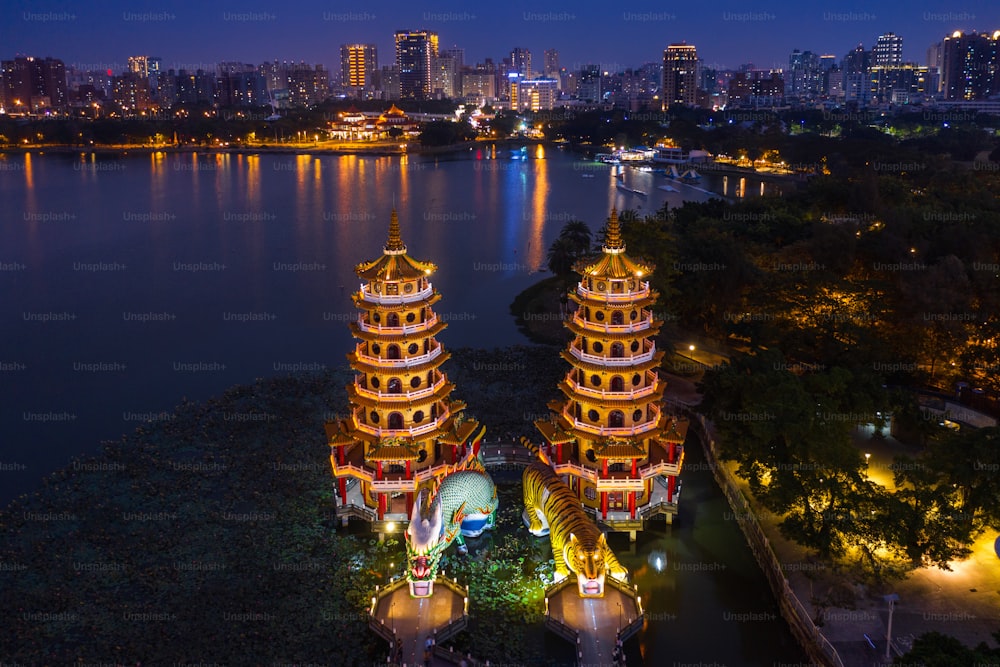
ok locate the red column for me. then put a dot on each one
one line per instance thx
(378, 470)
(671, 482)
(475, 446)
(631, 504)
(342, 487)
(673, 451)
(408, 470)
(409, 503)
(454, 454)
(635, 467)
(604, 504)
(559, 453)
(381, 506)
(579, 488)
(341, 457)
(604, 468)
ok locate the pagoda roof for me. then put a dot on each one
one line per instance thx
(675, 431)
(414, 336)
(638, 302)
(364, 367)
(394, 264)
(336, 434)
(392, 450)
(607, 400)
(613, 335)
(552, 433)
(461, 433)
(613, 262)
(613, 448)
(399, 400)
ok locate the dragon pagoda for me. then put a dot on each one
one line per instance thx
(403, 433)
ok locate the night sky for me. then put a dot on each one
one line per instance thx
(184, 33)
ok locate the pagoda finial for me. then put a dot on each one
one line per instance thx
(613, 236)
(395, 242)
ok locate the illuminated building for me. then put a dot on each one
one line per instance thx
(888, 50)
(609, 435)
(415, 50)
(358, 66)
(403, 430)
(33, 85)
(680, 75)
(970, 66)
(533, 95)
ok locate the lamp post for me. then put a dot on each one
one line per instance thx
(868, 458)
(892, 599)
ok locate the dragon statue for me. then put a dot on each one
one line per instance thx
(578, 545)
(462, 504)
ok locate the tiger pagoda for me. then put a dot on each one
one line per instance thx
(610, 437)
(403, 433)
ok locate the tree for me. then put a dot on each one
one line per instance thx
(572, 244)
(934, 649)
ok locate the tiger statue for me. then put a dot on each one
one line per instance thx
(578, 545)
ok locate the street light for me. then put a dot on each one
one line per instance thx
(892, 599)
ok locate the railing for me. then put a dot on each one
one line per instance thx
(356, 511)
(623, 430)
(798, 618)
(620, 484)
(400, 363)
(405, 329)
(368, 295)
(639, 325)
(662, 467)
(614, 361)
(602, 393)
(408, 395)
(643, 291)
(412, 431)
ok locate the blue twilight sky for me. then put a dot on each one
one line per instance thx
(101, 34)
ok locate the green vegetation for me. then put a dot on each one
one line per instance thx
(934, 649)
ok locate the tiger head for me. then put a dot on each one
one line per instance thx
(585, 558)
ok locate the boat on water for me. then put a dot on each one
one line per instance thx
(608, 158)
(519, 153)
(623, 187)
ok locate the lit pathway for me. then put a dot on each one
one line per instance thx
(414, 619)
(597, 620)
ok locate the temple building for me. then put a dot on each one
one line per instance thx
(609, 436)
(402, 430)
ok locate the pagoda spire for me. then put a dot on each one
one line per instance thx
(613, 236)
(394, 244)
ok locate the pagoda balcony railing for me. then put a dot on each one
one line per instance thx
(405, 395)
(411, 432)
(640, 325)
(397, 331)
(635, 429)
(394, 481)
(615, 361)
(632, 295)
(601, 393)
(621, 484)
(434, 353)
(619, 481)
(370, 296)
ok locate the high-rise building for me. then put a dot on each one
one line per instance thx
(855, 75)
(358, 65)
(414, 51)
(610, 435)
(240, 85)
(458, 55)
(680, 75)
(388, 82)
(34, 85)
(444, 76)
(804, 78)
(131, 92)
(520, 62)
(550, 63)
(970, 66)
(403, 431)
(478, 86)
(534, 94)
(888, 50)
(588, 84)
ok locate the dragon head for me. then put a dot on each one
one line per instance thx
(426, 541)
(585, 558)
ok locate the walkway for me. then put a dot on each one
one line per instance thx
(596, 621)
(413, 620)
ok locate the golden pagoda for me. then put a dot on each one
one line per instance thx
(402, 430)
(620, 451)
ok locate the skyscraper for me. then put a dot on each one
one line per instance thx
(33, 84)
(550, 63)
(680, 75)
(414, 51)
(520, 62)
(358, 64)
(888, 50)
(970, 66)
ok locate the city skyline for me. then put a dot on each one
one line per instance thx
(727, 34)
